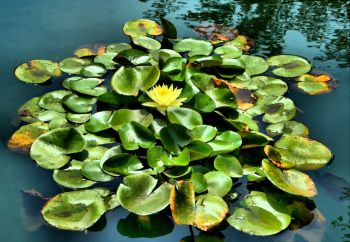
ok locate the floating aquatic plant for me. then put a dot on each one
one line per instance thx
(179, 127)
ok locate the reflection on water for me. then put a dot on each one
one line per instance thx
(324, 24)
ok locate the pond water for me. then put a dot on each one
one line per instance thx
(36, 29)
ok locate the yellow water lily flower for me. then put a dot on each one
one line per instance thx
(164, 97)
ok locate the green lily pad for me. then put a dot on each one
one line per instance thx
(51, 149)
(204, 103)
(184, 116)
(78, 118)
(228, 51)
(219, 183)
(134, 135)
(229, 165)
(242, 121)
(205, 212)
(241, 42)
(254, 64)
(316, 83)
(203, 133)
(225, 142)
(174, 67)
(142, 27)
(262, 215)
(37, 71)
(75, 210)
(166, 54)
(202, 81)
(94, 139)
(177, 172)
(230, 68)
(30, 111)
(128, 81)
(72, 177)
(88, 86)
(79, 104)
(251, 139)
(107, 59)
(94, 70)
(53, 100)
(149, 226)
(156, 156)
(289, 65)
(120, 164)
(132, 57)
(199, 182)
(49, 115)
(24, 137)
(290, 181)
(124, 116)
(99, 121)
(137, 194)
(267, 85)
(146, 42)
(194, 46)
(173, 137)
(288, 127)
(92, 170)
(73, 65)
(118, 47)
(222, 97)
(298, 152)
(199, 150)
(279, 110)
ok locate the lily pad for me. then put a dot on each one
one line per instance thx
(137, 194)
(53, 100)
(173, 137)
(177, 172)
(229, 165)
(298, 152)
(261, 216)
(132, 57)
(254, 64)
(199, 150)
(73, 65)
(146, 42)
(24, 137)
(222, 97)
(120, 164)
(219, 183)
(99, 121)
(92, 170)
(228, 51)
(194, 46)
(78, 118)
(267, 85)
(204, 103)
(37, 71)
(75, 210)
(225, 142)
(184, 116)
(316, 83)
(279, 110)
(118, 47)
(107, 59)
(142, 27)
(94, 70)
(134, 135)
(288, 127)
(128, 81)
(290, 181)
(205, 212)
(88, 86)
(203, 133)
(241, 41)
(289, 65)
(51, 149)
(90, 50)
(72, 177)
(79, 104)
(30, 111)
(124, 116)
